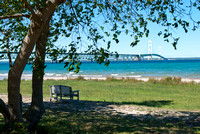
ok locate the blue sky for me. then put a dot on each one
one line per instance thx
(188, 45)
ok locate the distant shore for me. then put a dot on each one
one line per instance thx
(140, 78)
(99, 77)
(196, 80)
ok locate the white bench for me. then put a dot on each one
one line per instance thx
(63, 91)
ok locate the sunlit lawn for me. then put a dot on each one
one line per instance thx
(176, 96)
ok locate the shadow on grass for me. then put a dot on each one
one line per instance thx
(101, 117)
(158, 103)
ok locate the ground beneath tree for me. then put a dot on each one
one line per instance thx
(186, 118)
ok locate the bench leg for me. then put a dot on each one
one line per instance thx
(56, 98)
(50, 98)
(78, 96)
(71, 97)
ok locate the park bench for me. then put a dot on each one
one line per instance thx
(63, 92)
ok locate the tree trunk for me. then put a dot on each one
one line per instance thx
(36, 110)
(14, 76)
(15, 72)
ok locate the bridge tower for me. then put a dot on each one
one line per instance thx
(150, 50)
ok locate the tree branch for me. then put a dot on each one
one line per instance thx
(7, 33)
(8, 52)
(50, 8)
(30, 9)
(15, 16)
(37, 5)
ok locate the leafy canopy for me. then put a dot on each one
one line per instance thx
(90, 23)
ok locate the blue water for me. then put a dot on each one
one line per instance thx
(178, 68)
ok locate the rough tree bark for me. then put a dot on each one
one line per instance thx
(15, 72)
(38, 20)
(36, 110)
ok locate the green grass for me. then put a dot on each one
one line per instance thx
(168, 93)
(179, 96)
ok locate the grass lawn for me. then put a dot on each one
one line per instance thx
(170, 95)
(167, 94)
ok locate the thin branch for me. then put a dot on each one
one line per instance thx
(7, 33)
(44, 1)
(8, 52)
(37, 5)
(30, 9)
(15, 16)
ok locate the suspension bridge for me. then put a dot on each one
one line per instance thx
(91, 57)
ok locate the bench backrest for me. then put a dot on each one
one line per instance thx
(61, 89)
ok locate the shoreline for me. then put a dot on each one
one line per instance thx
(91, 77)
(145, 79)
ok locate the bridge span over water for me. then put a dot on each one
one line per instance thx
(141, 57)
(90, 57)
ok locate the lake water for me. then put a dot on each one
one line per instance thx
(178, 68)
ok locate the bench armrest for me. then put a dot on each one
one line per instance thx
(75, 91)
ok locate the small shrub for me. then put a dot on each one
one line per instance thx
(128, 79)
(168, 79)
(171, 80)
(112, 79)
(177, 80)
(153, 80)
(80, 78)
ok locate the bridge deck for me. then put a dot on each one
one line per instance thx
(85, 56)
